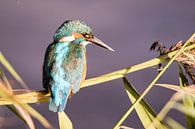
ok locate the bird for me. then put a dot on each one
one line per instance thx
(64, 67)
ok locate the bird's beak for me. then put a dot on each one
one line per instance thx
(100, 43)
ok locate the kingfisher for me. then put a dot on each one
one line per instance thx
(64, 67)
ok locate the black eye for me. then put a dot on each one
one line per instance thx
(88, 35)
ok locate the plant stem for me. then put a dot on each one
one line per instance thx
(152, 83)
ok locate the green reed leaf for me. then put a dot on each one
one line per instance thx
(9, 67)
(174, 124)
(145, 113)
(64, 121)
(5, 93)
(17, 110)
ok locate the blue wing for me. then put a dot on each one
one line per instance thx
(62, 72)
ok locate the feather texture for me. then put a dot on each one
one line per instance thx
(64, 66)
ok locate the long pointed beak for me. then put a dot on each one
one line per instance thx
(100, 43)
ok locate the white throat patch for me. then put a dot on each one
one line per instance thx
(84, 43)
(67, 39)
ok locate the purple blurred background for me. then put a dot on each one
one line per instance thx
(128, 26)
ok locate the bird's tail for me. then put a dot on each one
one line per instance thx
(59, 97)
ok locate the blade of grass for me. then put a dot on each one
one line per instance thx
(17, 110)
(174, 124)
(5, 80)
(188, 102)
(6, 94)
(186, 110)
(187, 90)
(125, 127)
(143, 109)
(23, 115)
(64, 121)
(8, 66)
(153, 82)
(187, 99)
(177, 96)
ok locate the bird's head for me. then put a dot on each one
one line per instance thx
(77, 32)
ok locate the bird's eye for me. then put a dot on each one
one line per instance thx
(87, 35)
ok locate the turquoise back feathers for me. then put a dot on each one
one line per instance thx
(64, 66)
